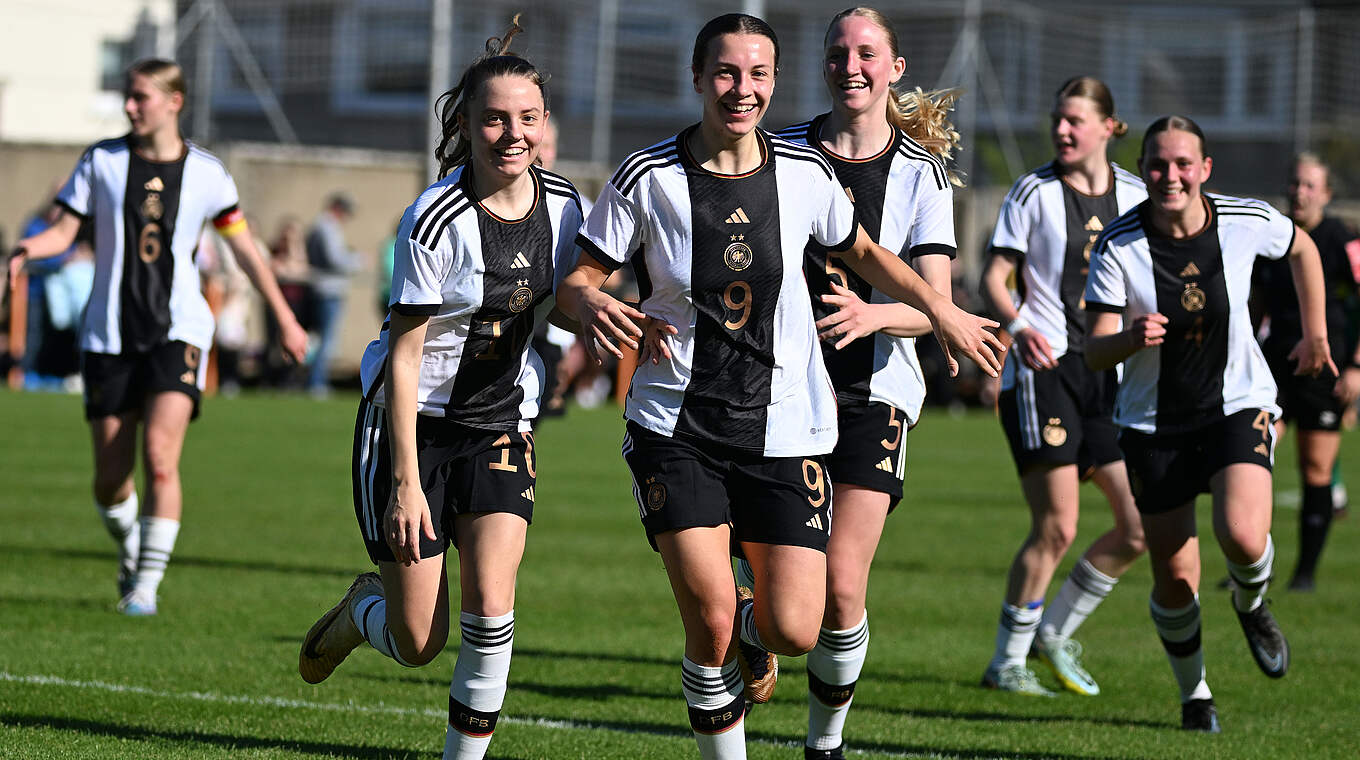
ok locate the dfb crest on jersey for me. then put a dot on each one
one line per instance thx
(520, 299)
(152, 208)
(1192, 298)
(738, 255)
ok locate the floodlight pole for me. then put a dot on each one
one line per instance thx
(203, 70)
(441, 76)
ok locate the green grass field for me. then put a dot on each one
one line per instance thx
(270, 542)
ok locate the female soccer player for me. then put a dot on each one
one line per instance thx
(1314, 404)
(1196, 402)
(876, 141)
(1054, 410)
(147, 330)
(728, 429)
(442, 448)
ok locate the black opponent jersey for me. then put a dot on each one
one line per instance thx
(1209, 365)
(1339, 247)
(904, 201)
(479, 278)
(720, 258)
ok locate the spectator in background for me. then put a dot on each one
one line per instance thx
(332, 264)
(288, 261)
(38, 363)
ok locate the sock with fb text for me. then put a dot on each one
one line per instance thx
(1179, 630)
(478, 687)
(716, 709)
(833, 668)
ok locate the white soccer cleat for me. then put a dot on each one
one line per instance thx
(137, 604)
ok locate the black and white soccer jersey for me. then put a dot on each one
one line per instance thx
(147, 218)
(720, 258)
(1209, 365)
(904, 201)
(478, 278)
(1050, 228)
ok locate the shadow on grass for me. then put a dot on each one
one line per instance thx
(49, 602)
(1001, 717)
(142, 733)
(597, 693)
(188, 560)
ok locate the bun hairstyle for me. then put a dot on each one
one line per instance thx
(1097, 92)
(924, 116)
(730, 23)
(164, 73)
(454, 148)
(1168, 123)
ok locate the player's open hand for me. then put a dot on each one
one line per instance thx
(969, 336)
(1312, 355)
(1035, 350)
(608, 323)
(294, 340)
(1148, 330)
(656, 340)
(1347, 388)
(853, 318)
(407, 518)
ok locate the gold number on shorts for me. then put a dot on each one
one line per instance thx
(529, 453)
(813, 479)
(149, 243)
(1262, 423)
(834, 272)
(492, 349)
(503, 443)
(742, 304)
(895, 423)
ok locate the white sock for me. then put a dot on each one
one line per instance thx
(1083, 591)
(120, 520)
(833, 669)
(478, 687)
(1180, 633)
(1250, 581)
(370, 617)
(1015, 634)
(716, 709)
(158, 542)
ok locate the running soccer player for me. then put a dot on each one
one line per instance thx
(1314, 404)
(1055, 411)
(147, 330)
(728, 427)
(1196, 402)
(443, 451)
(876, 141)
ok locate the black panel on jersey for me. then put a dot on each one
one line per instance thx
(1273, 282)
(1193, 294)
(866, 181)
(1087, 215)
(151, 202)
(736, 271)
(518, 257)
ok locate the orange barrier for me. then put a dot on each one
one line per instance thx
(18, 329)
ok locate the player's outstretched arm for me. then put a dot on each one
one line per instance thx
(854, 319)
(1312, 354)
(44, 245)
(292, 336)
(959, 332)
(605, 321)
(408, 515)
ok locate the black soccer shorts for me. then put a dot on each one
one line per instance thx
(1168, 470)
(117, 383)
(684, 483)
(463, 470)
(871, 451)
(1061, 416)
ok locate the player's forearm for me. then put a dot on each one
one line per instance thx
(1310, 286)
(53, 241)
(901, 320)
(886, 272)
(1106, 344)
(261, 276)
(407, 335)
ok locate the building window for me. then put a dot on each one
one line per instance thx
(114, 58)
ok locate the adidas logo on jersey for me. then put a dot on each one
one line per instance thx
(738, 217)
(528, 493)
(1190, 270)
(155, 185)
(886, 465)
(815, 523)
(521, 261)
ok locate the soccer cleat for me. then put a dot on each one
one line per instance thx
(1065, 660)
(334, 636)
(1200, 715)
(1267, 643)
(824, 754)
(1015, 678)
(759, 668)
(1304, 583)
(137, 604)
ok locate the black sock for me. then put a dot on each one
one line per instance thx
(1315, 517)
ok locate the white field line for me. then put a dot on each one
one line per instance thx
(340, 707)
